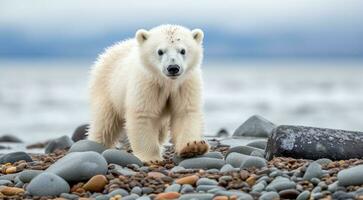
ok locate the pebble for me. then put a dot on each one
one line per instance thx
(87, 145)
(236, 159)
(333, 187)
(255, 126)
(27, 175)
(63, 142)
(96, 183)
(206, 181)
(281, 183)
(117, 169)
(304, 195)
(202, 163)
(9, 191)
(10, 139)
(79, 166)
(206, 188)
(121, 158)
(351, 176)
(187, 180)
(254, 162)
(47, 184)
(155, 175)
(212, 154)
(136, 190)
(14, 157)
(130, 197)
(246, 150)
(147, 190)
(313, 171)
(198, 196)
(289, 194)
(269, 196)
(187, 188)
(260, 144)
(259, 186)
(340, 195)
(177, 169)
(173, 188)
(119, 191)
(69, 196)
(167, 196)
(323, 161)
(258, 154)
(231, 193)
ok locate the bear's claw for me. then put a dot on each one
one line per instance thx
(194, 148)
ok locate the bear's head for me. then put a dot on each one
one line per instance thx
(170, 50)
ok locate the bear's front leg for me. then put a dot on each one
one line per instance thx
(143, 134)
(186, 129)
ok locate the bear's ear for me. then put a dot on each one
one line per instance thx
(141, 35)
(198, 35)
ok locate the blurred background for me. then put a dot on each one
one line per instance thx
(292, 62)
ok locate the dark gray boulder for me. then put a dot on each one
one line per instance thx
(14, 157)
(314, 143)
(255, 126)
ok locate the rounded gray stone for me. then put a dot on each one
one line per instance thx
(87, 145)
(199, 196)
(236, 159)
(177, 169)
(212, 154)
(136, 190)
(131, 197)
(79, 166)
(120, 157)
(14, 157)
(323, 161)
(269, 196)
(254, 162)
(202, 163)
(351, 176)
(304, 195)
(206, 181)
(246, 150)
(258, 154)
(227, 168)
(313, 171)
(239, 194)
(69, 196)
(27, 175)
(260, 144)
(6, 183)
(63, 142)
(47, 184)
(255, 126)
(187, 188)
(173, 188)
(119, 191)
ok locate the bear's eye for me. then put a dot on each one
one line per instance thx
(182, 52)
(160, 52)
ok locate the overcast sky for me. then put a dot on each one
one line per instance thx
(44, 17)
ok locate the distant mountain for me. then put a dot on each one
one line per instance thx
(218, 44)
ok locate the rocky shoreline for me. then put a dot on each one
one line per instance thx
(231, 170)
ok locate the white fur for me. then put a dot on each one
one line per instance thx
(130, 91)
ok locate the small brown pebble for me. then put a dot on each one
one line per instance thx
(10, 170)
(96, 183)
(244, 174)
(220, 198)
(360, 197)
(155, 175)
(116, 197)
(10, 191)
(167, 196)
(251, 180)
(188, 180)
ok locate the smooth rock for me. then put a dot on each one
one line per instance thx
(63, 142)
(333, 187)
(313, 171)
(260, 144)
(259, 187)
(173, 188)
(202, 163)
(121, 157)
(312, 143)
(239, 194)
(144, 198)
(14, 157)
(69, 196)
(206, 188)
(119, 191)
(281, 183)
(351, 176)
(227, 168)
(177, 169)
(289, 194)
(258, 154)
(96, 183)
(254, 162)
(10, 191)
(117, 169)
(167, 196)
(269, 196)
(6, 183)
(192, 179)
(236, 159)
(323, 161)
(198, 196)
(10, 139)
(47, 184)
(255, 126)
(246, 150)
(147, 190)
(80, 133)
(131, 197)
(206, 181)
(304, 195)
(79, 166)
(27, 175)
(10, 177)
(212, 154)
(136, 190)
(187, 188)
(87, 145)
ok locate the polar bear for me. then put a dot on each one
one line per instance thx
(148, 87)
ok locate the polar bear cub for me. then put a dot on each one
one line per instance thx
(148, 87)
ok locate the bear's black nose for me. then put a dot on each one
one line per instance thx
(173, 69)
